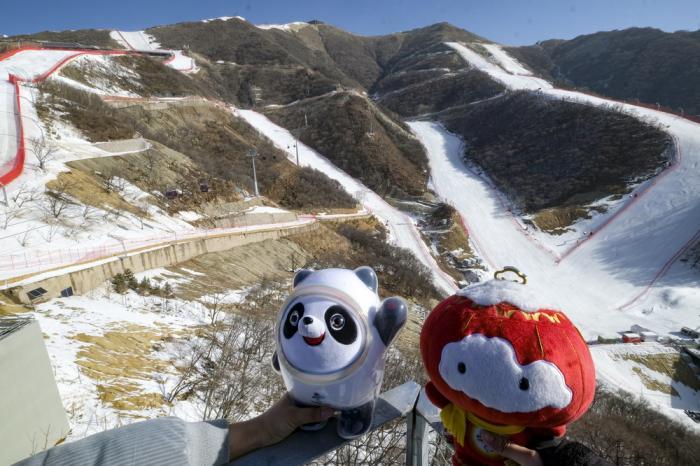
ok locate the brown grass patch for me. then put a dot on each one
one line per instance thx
(555, 220)
(9, 308)
(653, 384)
(241, 267)
(118, 356)
(89, 191)
(670, 364)
(121, 396)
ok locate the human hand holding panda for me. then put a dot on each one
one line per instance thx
(332, 334)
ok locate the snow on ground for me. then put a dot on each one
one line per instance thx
(265, 209)
(29, 64)
(188, 215)
(228, 297)
(589, 289)
(182, 62)
(401, 227)
(508, 63)
(620, 366)
(26, 65)
(8, 126)
(31, 238)
(143, 42)
(496, 72)
(294, 26)
(103, 65)
(635, 248)
(34, 240)
(71, 325)
(223, 18)
(135, 40)
(590, 285)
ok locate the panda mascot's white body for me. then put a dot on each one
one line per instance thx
(332, 333)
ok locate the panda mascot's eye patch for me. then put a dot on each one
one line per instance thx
(292, 321)
(341, 325)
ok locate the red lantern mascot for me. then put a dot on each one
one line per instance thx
(499, 362)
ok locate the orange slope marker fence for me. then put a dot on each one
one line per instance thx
(17, 165)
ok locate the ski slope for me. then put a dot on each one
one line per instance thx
(507, 62)
(618, 265)
(401, 227)
(143, 42)
(28, 65)
(8, 125)
(625, 273)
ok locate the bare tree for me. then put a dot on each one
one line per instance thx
(88, 213)
(23, 239)
(8, 214)
(296, 261)
(214, 307)
(24, 194)
(42, 150)
(56, 201)
(49, 233)
(151, 160)
(227, 366)
(114, 184)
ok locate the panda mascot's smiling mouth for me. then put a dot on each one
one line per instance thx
(311, 341)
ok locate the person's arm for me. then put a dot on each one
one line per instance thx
(521, 455)
(173, 441)
(272, 426)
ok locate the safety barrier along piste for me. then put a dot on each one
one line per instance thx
(43, 261)
(17, 164)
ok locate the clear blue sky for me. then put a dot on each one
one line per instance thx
(508, 21)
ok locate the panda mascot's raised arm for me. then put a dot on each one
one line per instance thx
(332, 334)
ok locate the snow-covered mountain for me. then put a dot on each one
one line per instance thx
(597, 201)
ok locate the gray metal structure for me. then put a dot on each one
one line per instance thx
(33, 417)
(405, 401)
(252, 153)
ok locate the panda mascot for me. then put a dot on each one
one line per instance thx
(332, 334)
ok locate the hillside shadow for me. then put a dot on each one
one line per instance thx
(640, 259)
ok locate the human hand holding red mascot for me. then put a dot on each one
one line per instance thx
(500, 362)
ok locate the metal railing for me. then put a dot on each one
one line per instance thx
(10, 325)
(405, 401)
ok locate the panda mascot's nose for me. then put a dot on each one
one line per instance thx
(313, 330)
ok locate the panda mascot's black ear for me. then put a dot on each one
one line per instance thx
(390, 318)
(301, 275)
(275, 362)
(368, 277)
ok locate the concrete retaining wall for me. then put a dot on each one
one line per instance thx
(82, 281)
(33, 417)
(262, 218)
(158, 104)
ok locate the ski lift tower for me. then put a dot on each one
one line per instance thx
(295, 133)
(252, 153)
